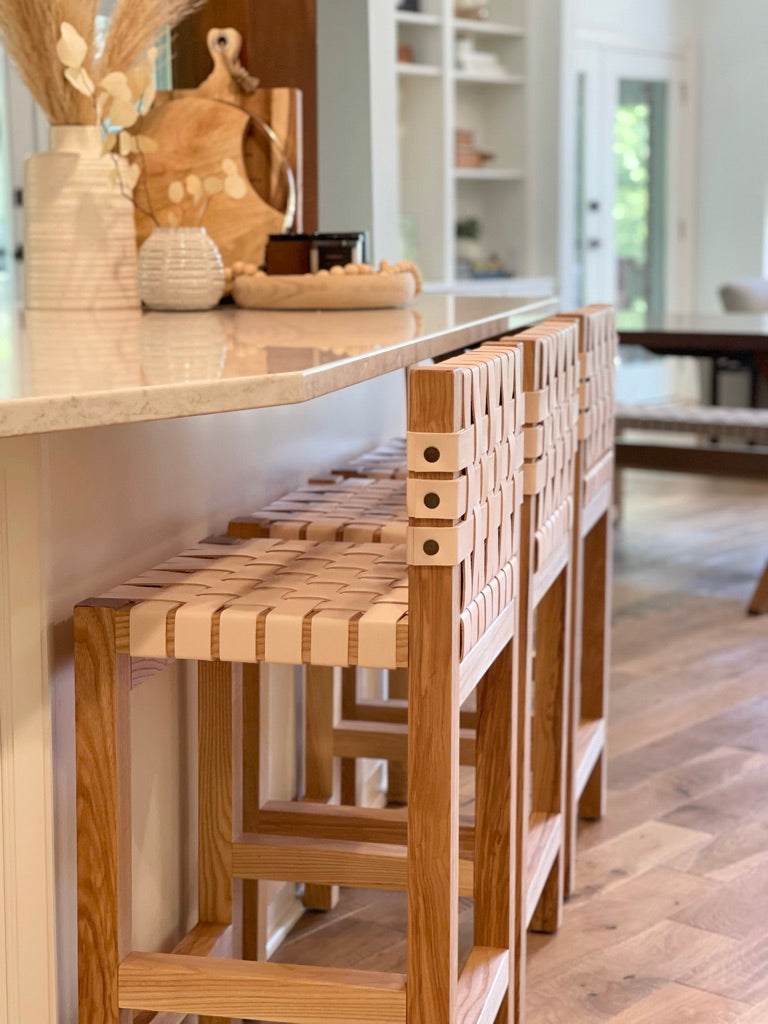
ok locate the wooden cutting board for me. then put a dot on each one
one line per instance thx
(196, 129)
(194, 135)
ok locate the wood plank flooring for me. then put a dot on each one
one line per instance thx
(669, 921)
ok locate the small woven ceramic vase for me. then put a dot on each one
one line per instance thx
(180, 268)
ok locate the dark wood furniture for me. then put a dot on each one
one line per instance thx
(740, 336)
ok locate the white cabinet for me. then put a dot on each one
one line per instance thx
(461, 139)
(395, 86)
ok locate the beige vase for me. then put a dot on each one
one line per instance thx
(180, 268)
(80, 239)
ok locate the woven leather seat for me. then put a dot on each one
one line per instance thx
(386, 461)
(300, 600)
(286, 602)
(356, 509)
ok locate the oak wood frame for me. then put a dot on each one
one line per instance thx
(115, 980)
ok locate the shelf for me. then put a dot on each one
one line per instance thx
(497, 78)
(417, 18)
(419, 70)
(488, 28)
(487, 174)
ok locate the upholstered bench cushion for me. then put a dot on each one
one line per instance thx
(747, 425)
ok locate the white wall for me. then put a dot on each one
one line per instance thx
(648, 23)
(733, 152)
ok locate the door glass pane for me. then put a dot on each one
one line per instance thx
(640, 214)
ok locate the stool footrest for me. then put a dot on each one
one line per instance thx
(214, 940)
(482, 986)
(354, 824)
(545, 841)
(260, 991)
(590, 743)
(329, 862)
(388, 741)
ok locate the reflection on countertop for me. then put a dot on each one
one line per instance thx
(60, 370)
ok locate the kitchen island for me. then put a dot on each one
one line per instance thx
(123, 438)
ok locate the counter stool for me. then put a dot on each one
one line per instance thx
(591, 575)
(445, 607)
(385, 461)
(363, 510)
(550, 360)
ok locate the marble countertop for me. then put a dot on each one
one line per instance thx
(63, 370)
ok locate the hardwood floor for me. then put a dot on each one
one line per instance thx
(669, 921)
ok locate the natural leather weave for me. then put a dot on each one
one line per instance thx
(598, 345)
(482, 462)
(386, 461)
(352, 509)
(550, 352)
(278, 601)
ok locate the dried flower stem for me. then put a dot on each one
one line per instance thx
(29, 32)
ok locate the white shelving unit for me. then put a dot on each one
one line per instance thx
(439, 91)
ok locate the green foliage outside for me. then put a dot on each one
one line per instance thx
(632, 147)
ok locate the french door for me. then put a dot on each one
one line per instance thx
(634, 179)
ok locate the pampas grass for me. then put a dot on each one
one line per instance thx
(30, 29)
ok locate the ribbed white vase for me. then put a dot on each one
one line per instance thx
(80, 238)
(180, 268)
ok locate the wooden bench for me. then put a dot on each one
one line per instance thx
(727, 442)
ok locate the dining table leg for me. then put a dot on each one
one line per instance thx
(759, 603)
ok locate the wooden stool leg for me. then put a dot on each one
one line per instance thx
(523, 767)
(219, 800)
(320, 782)
(102, 736)
(592, 803)
(397, 771)
(574, 704)
(254, 797)
(759, 603)
(596, 654)
(550, 737)
(348, 764)
(433, 798)
(495, 800)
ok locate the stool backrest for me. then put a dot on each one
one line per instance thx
(465, 454)
(551, 386)
(597, 372)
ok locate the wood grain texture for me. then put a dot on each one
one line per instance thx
(216, 687)
(387, 741)
(397, 774)
(279, 47)
(254, 785)
(103, 772)
(194, 135)
(319, 291)
(524, 712)
(483, 986)
(433, 747)
(704, 774)
(203, 940)
(495, 810)
(348, 766)
(549, 735)
(296, 995)
(320, 773)
(758, 604)
(433, 797)
(219, 706)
